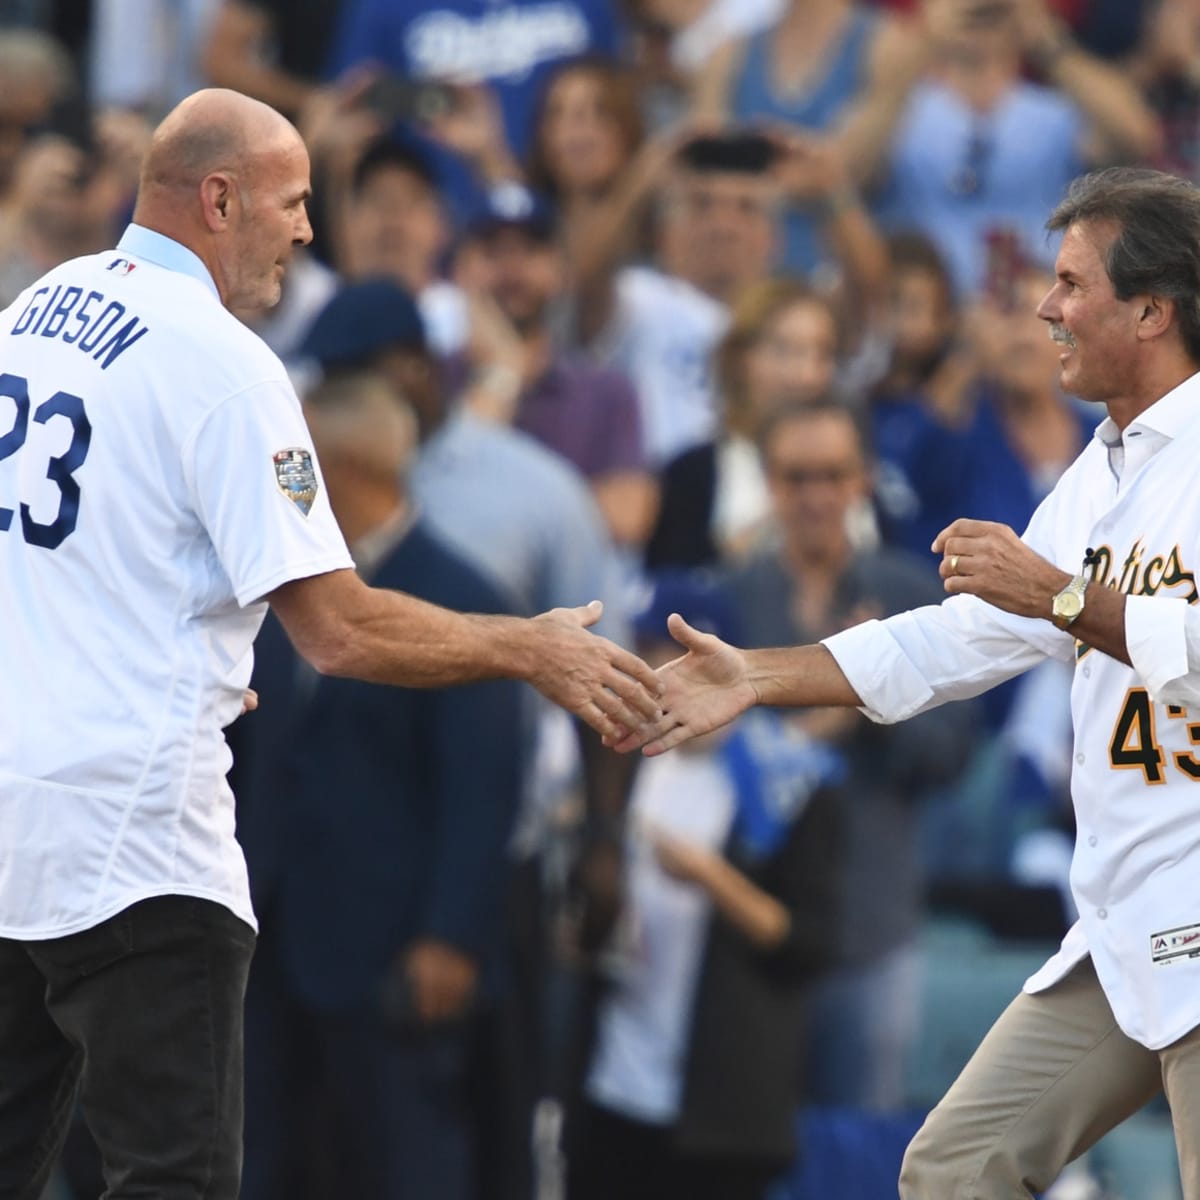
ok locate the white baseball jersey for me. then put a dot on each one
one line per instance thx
(157, 480)
(1135, 783)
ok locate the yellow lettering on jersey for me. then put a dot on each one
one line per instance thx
(1141, 576)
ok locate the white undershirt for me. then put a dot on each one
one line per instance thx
(645, 1020)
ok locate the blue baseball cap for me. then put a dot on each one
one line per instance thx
(511, 206)
(697, 596)
(361, 320)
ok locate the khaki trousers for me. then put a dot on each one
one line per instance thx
(1054, 1074)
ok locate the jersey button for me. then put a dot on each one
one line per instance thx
(1102, 913)
(1093, 840)
(1081, 758)
(1087, 672)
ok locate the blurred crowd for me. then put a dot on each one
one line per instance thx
(722, 307)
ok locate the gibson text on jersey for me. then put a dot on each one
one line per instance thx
(90, 323)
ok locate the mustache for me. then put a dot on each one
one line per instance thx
(1062, 335)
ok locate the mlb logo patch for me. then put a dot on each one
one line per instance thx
(1171, 945)
(122, 266)
(296, 476)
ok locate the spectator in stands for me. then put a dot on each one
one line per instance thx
(690, 1085)
(376, 849)
(587, 413)
(979, 150)
(916, 406)
(820, 67)
(525, 518)
(66, 200)
(508, 47)
(987, 431)
(392, 222)
(35, 76)
(811, 583)
(782, 346)
(511, 507)
(587, 130)
(147, 55)
(273, 50)
(1020, 431)
(717, 202)
(276, 51)
(1165, 64)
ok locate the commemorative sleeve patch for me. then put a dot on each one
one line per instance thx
(296, 476)
(1174, 944)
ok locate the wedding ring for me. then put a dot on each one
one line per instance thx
(954, 564)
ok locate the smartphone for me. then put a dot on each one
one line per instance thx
(987, 12)
(1005, 262)
(397, 98)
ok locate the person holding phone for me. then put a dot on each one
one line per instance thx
(994, 111)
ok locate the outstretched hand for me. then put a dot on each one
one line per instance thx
(601, 683)
(702, 690)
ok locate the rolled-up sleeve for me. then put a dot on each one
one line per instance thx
(917, 660)
(1163, 638)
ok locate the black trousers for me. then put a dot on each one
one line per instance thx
(140, 1019)
(613, 1158)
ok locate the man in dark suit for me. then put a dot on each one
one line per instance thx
(375, 822)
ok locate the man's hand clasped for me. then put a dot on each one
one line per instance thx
(608, 687)
(700, 691)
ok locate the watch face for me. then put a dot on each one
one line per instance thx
(1068, 605)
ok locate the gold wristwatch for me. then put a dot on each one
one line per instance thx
(1068, 604)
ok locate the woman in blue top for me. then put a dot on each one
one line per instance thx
(818, 67)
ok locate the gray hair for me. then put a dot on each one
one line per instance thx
(1157, 248)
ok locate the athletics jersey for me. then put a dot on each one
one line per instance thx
(157, 480)
(1129, 500)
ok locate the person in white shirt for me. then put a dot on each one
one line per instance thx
(1103, 579)
(157, 489)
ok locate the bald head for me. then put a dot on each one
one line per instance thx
(227, 177)
(215, 130)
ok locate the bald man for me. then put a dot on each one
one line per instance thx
(355, 811)
(158, 488)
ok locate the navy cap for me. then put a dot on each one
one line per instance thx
(511, 206)
(361, 320)
(696, 596)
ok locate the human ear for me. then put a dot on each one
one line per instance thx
(216, 200)
(1156, 316)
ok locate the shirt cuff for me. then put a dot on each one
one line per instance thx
(1156, 637)
(889, 686)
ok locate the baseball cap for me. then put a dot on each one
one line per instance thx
(362, 319)
(697, 596)
(511, 206)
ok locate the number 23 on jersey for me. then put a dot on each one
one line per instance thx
(60, 469)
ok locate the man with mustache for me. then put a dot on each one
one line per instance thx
(1103, 578)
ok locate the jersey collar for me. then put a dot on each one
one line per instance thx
(165, 252)
(1167, 417)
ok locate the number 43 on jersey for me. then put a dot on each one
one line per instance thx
(1134, 745)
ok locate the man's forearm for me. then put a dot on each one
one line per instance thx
(798, 676)
(342, 627)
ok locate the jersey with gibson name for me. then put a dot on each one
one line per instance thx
(1125, 514)
(157, 481)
